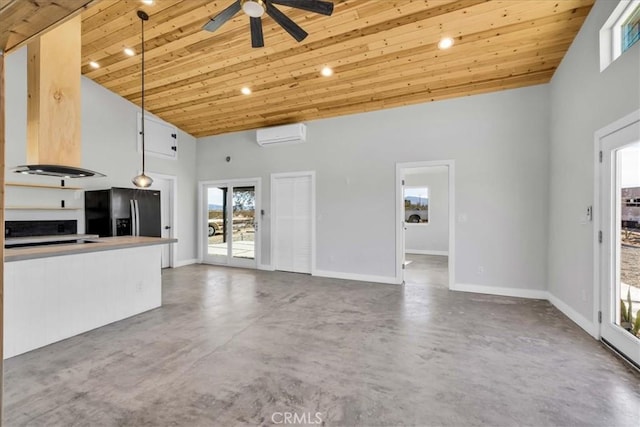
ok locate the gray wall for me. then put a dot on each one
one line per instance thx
(433, 236)
(109, 145)
(499, 143)
(583, 100)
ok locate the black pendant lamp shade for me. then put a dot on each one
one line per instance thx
(142, 180)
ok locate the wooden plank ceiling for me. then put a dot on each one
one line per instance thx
(21, 20)
(384, 54)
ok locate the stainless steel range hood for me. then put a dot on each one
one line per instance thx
(57, 171)
(54, 104)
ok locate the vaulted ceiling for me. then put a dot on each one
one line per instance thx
(384, 54)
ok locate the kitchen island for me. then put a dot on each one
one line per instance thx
(53, 292)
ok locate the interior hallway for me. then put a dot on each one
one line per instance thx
(427, 270)
(232, 346)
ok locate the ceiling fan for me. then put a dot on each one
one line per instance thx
(256, 8)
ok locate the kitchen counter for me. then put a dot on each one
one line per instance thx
(88, 245)
(56, 291)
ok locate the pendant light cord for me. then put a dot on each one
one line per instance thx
(143, 150)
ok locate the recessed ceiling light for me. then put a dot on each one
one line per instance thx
(147, 2)
(445, 43)
(327, 72)
(128, 51)
(94, 64)
(245, 91)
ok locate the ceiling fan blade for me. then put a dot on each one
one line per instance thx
(317, 6)
(291, 27)
(257, 40)
(217, 21)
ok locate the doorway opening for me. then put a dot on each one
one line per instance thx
(230, 222)
(619, 235)
(425, 211)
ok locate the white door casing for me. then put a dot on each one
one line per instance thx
(609, 141)
(400, 226)
(167, 185)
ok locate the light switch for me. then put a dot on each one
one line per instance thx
(462, 217)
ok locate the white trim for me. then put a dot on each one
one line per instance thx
(610, 34)
(502, 291)
(203, 225)
(274, 177)
(357, 277)
(266, 267)
(590, 327)
(623, 122)
(185, 262)
(400, 250)
(425, 252)
(173, 205)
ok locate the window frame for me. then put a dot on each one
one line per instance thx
(417, 224)
(611, 32)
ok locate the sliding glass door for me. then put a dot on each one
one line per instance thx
(231, 223)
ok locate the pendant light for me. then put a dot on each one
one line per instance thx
(142, 180)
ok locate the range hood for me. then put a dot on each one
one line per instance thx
(56, 170)
(54, 104)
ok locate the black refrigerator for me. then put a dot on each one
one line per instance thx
(122, 212)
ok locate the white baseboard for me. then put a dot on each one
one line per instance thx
(497, 290)
(354, 276)
(184, 262)
(266, 267)
(591, 328)
(426, 252)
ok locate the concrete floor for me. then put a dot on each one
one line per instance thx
(427, 270)
(234, 347)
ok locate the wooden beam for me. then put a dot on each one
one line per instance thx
(24, 20)
(53, 87)
(2, 168)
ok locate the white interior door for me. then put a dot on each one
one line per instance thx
(165, 185)
(231, 223)
(292, 222)
(620, 250)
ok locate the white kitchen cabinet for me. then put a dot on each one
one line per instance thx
(161, 138)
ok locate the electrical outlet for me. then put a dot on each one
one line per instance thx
(480, 269)
(139, 287)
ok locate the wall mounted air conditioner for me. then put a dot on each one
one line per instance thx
(286, 134)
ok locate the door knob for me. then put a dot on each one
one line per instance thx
(166, 227)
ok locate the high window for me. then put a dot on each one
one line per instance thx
(620, 32)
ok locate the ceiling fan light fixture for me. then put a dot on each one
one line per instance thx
(253, 8)
(445, 43)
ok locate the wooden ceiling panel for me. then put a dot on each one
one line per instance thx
(384, 54)
(21, 20)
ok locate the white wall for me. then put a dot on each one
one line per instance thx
(500, 145)
(432, 237)
(109, 146)
(583, 100)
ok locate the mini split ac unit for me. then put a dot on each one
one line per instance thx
(282, 134)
